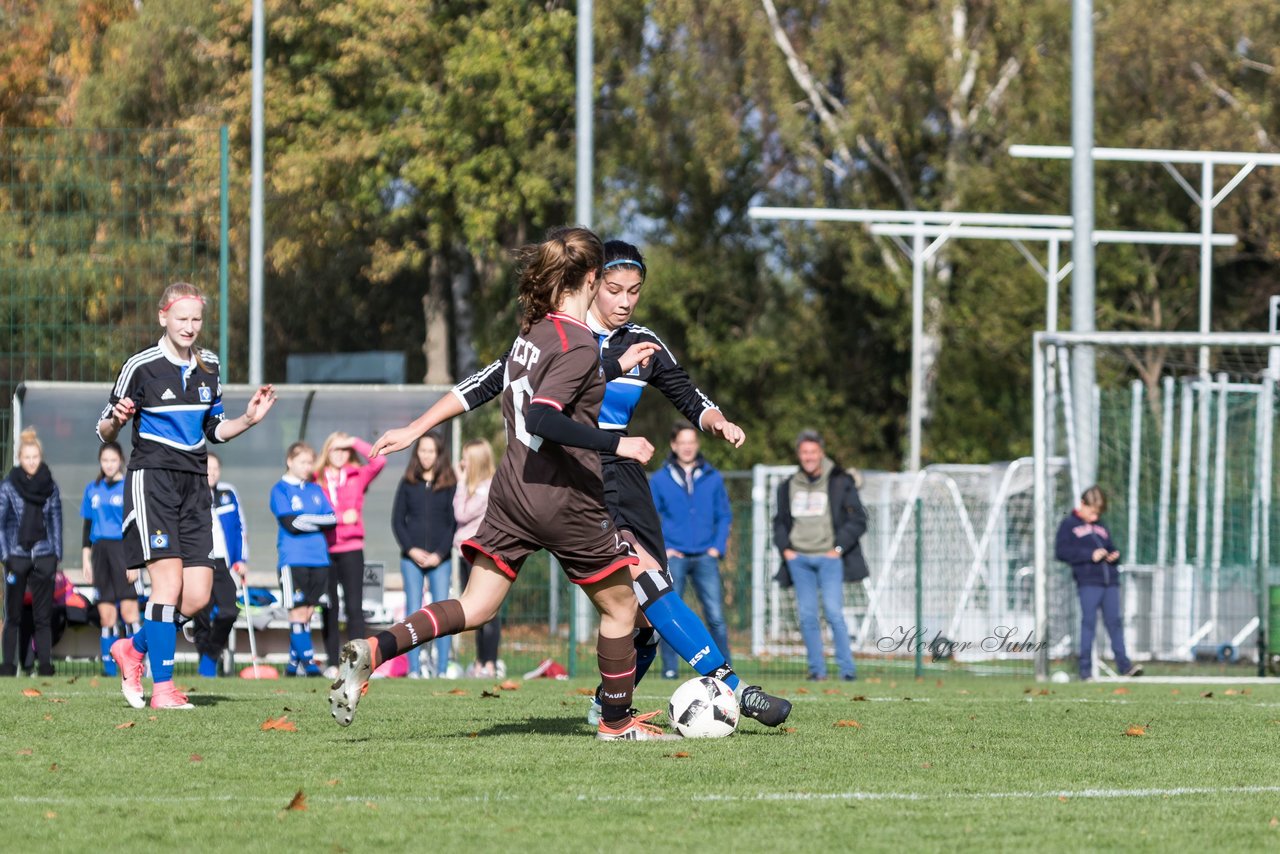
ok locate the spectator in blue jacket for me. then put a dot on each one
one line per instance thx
(30, 549)
(1085, 545)
(694, 507)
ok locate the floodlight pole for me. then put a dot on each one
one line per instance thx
(1083, 310)
(255, 201)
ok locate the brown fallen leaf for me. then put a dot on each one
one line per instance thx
(893, 684)
(586, 692)
(1136, 731)
(473, 735)
(802, 690)
(789, 729)
(1043, 692)
(51, 814)
(30, 692)
(152, 718)
(1062, 798)
(938, 684)
(48, 717)
(1230, 692)
(1208, 695)
(57, 699)
(490, 695)
(1245, 691)
(73, 680)
(849, 723)
(26, 751)
(874, 680)
(332, 782)
(831, 691)
(127, 725)
(1120, 690)
(371, 805)
(510, 685)
(927, 765)
(859, 699)
(53, 767)
(680, 755)
(298, 803)
(1175, 692)
(279, 691)
(195, 757)
(281, 723)
(458, 692)
(908, 699)
(93, 683)
(1275, 822)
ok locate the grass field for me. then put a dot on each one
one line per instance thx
(941, 764)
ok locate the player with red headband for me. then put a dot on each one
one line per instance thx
(172, 394)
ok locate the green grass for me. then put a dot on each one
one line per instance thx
(964, 763)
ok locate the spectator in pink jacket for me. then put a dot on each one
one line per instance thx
(345, 480)
(475, 472)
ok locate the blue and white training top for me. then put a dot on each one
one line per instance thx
(179, 407)
(103, 507)
(304, 512)
(230, 536)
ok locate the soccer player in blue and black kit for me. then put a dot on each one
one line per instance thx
(633, 357)
(102, 509)
(172, 394)
(304, 513)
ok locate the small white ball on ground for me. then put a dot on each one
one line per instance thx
(1061, 676)
(703, 707)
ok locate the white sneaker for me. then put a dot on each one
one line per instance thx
(331, 672)
(594, 712)
(634, 728)
(500, 669)
(355, 667)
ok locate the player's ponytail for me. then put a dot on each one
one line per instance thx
(180, 291)
(555, 267)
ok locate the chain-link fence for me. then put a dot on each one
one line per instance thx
(93, 225)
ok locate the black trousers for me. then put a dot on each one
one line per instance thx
(36, 575)
(346, 569)
(215, 620)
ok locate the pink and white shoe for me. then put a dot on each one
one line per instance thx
(165, 696)
(130, 662)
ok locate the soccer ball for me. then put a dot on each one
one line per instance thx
(1061, 676)
(703, 707)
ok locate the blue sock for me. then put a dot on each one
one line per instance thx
(646, 650)
(208, 667)
(161, 634)
(300, 649)
(680, 627)
(140, 637)
(104, 645)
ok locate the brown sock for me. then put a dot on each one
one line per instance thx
(617, 657)
(435, 620)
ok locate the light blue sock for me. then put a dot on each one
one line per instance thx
(679, 626)
(104, 645)
(161, 633)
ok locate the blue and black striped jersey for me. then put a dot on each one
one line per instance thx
(622, 394)
(179, 407)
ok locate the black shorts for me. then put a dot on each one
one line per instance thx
(630, 502)
(586, 555)
(167, 514)
(304, 586)
(110, 583)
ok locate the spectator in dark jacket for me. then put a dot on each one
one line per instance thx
(817, 526)
(693, 504)
(423, 523)
(30, 549)
(1084, 544)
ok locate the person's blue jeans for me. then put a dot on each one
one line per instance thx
(1093, 597)
(704, 571)
(815, 575)
(437, 578)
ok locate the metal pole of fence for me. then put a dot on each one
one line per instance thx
(1135, 463)
(1040, 499)
(759, 547)
(1264, 516)
(1166, 473)
(1204, 400)
(1180, 605)
(256, 238)
(1219, 503)
(919, 583)
(224, 250)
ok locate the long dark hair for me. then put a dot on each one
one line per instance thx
(442, 476)
(557, 266)
(620, 254)
(108, 446)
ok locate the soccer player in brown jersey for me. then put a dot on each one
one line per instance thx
(633, 358)
(548, 491)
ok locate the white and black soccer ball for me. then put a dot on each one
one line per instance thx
(704, 707)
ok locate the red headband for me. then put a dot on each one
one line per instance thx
(180, 299)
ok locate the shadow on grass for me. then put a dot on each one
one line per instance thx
(566, 726)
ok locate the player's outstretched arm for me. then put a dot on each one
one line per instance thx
(259, 405)
(399, 438)
(117, 416)
(717, 425)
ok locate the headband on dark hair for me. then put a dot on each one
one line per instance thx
(626, 262)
